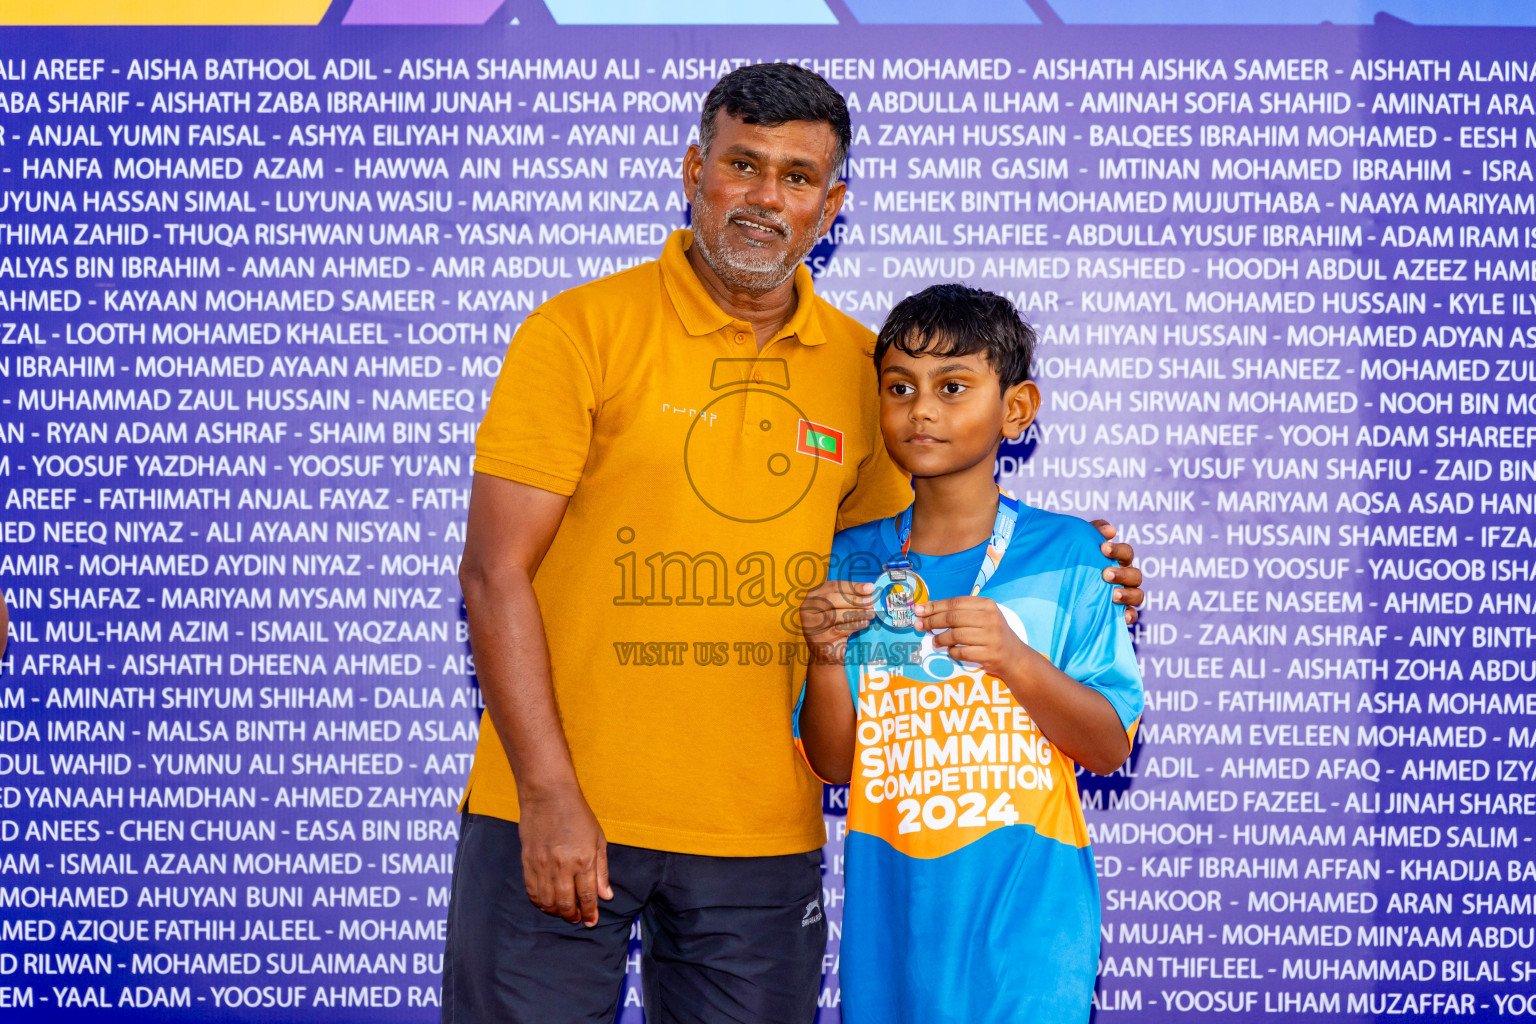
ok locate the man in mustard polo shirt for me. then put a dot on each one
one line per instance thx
(666, 456)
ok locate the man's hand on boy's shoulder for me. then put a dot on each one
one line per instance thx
(1125, 576)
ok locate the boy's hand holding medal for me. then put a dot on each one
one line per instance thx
(832, 613)
(975, 630)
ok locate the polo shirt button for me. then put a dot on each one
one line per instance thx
(741, 339)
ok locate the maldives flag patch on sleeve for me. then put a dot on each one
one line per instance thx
(822, 442)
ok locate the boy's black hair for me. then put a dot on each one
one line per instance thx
(954, 320)
(775, 94)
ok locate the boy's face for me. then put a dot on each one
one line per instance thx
(945, 414)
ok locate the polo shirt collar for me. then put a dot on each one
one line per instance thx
(699, 312)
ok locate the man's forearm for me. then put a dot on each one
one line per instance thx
(506, 630)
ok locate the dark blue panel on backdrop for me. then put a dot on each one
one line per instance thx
(254, 287)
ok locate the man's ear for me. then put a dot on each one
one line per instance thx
(834, 205)
(1022, 403)
(693, 168)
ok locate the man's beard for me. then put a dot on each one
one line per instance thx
(757, 271)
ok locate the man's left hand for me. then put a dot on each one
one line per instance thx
(1125, 576)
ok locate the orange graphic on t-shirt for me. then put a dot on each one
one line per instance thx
(940, 764)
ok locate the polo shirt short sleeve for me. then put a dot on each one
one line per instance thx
(538, 429)
(883, 486)
(706, 479)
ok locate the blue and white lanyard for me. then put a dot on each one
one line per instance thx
(1002, 535)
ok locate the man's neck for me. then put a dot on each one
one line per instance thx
(954, 512)
(767, 312)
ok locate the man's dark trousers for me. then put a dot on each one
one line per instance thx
(725, 940)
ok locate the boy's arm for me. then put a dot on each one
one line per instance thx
(825, 719)
(827, 722)
(1078, 720)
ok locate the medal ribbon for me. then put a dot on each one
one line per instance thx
(1002, 535)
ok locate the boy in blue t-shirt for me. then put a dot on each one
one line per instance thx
(964, 656)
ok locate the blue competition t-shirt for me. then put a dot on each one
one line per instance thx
(971, 894)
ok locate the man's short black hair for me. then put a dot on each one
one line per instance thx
(775, 94)
(954, 320)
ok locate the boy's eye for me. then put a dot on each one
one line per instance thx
(953, 387)
(901, 389)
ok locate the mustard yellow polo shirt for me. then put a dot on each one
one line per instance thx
(706, 479)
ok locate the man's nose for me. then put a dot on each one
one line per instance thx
(767, 191)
